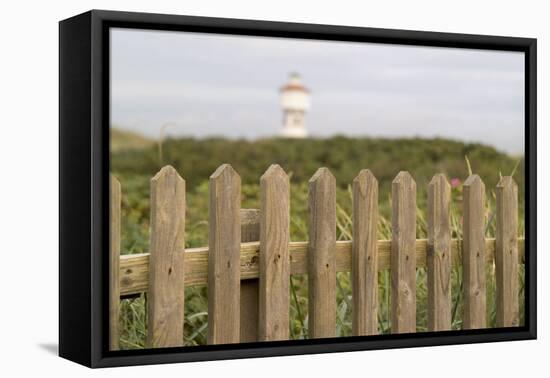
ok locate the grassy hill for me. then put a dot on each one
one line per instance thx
(127, 140)
(197, 159)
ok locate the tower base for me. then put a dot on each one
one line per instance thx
(294, 132)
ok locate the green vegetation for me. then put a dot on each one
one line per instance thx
(126, 140)
(196, 159)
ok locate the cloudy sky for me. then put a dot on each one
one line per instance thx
(208, 84)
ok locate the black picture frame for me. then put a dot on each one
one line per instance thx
(83, 197)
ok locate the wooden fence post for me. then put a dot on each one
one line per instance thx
(250, 231)
(403, 254)
(439, 254)
(224, 250)
(114, 264)
(321, 254)
(364, 264)
(166, 295)
(506, 254)
(274, 267)
(473, 254)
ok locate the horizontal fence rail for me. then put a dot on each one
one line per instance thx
(249, 260)
(134, 269)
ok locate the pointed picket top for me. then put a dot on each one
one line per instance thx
(363, 180)
(439, 180)
(474, 181)
(166, 186)
(115, 186)
(507, 182)
(365, 174)
(274, 172)
(439, 197)
(167, 173)
(322, 175)
(114, 181)
(225, 170)
(404, 177)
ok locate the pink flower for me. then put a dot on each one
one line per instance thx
(455, 182)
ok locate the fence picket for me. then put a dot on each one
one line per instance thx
(224, 257)
(166, 297)
(274, 267)
(473, 255)
(364, 266)
(439, 254)
(114, 263)
(250, 231)
(506, 256)
(402, 256)
(321, 255)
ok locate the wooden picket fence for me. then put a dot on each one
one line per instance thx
(249, 258)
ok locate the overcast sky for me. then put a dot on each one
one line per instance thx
(208, 84)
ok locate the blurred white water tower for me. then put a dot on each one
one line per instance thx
(295, 101)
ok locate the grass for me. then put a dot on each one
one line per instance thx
(122, 140)
(135, 236)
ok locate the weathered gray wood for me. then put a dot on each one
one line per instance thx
(506, 256)
(114, 264)
(250, 225)
(274, 268)
(403, 264)
(364, 265)
(224, 257)
(134, 268)
(473, 255)
(439, 254)
(250, 231)
(165, 301)
(321, 254)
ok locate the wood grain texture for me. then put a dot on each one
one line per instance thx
(224, 273)
(114, 263)
(274, 268)
(506, 256)
(250, 225)
(134, 268)
(439, 254)
(403, 264)
(473, 255)
(250, 231)
(321, 254)
(165, 300)
(364, 265)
